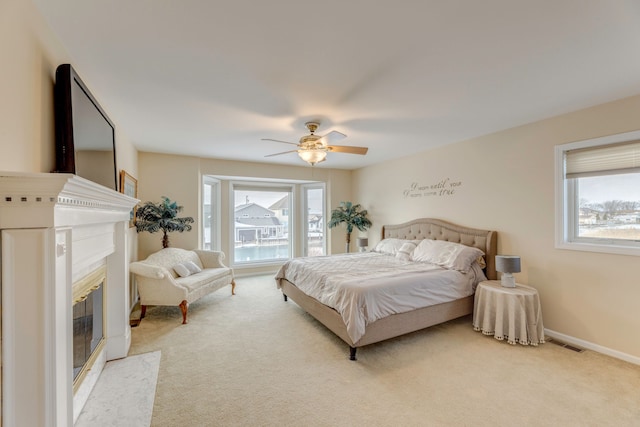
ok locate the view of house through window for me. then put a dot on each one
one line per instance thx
(609, 206)
(261, 224)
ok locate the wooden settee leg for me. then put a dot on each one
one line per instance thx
(143, 311)
(233, 287)
(184, 307)
(352, 353)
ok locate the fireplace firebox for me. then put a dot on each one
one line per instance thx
(88, 323)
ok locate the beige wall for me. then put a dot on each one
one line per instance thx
(507, 184)
(179, 178)
(29, 54)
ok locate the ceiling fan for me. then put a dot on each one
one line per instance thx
(313, 148)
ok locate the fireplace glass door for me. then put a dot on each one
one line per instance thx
(87, 328)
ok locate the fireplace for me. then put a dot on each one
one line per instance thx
(88, 323)
(65, 293)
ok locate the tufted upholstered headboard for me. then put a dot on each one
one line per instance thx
(429, 228)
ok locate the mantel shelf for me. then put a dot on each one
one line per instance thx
(52, 200)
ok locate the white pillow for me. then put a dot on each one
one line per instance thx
(181, 270)
(186, 269)
(192, 267)
(449, 255)
(405, 251)
(390, 246)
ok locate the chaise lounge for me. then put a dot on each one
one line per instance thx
(179, 277)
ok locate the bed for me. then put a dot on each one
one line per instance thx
(293, 276)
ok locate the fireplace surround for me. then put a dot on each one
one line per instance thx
(57, 230)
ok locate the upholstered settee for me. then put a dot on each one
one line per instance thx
(175, 276)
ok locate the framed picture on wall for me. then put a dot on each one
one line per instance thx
(129, 186)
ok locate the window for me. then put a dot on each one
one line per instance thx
(210, 213)
(260, 229)
(598, 194)
(259, 222)
(314, 235)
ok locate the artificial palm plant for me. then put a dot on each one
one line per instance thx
(163, 216)
(352, 216)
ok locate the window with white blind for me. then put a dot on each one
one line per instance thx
(598, 194)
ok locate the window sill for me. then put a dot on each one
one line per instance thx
(601, 248)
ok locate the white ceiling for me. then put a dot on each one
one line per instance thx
(210, 78)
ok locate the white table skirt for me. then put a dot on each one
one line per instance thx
(513, 314)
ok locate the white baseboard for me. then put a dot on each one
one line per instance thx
(591, 346)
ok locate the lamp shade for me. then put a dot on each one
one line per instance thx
(363, 242)
(312, 156)
(508, 263)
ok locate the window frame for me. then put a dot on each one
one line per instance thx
(259, 186)
(305, 213)
(214, 222)
(566, 192)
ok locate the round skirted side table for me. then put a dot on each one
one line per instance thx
(512, 314)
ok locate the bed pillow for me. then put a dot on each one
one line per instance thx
(390, 245)
(449, 255)
(186, 269)
(406, 250)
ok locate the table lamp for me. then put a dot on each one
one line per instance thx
(508, 264)
(363, 242)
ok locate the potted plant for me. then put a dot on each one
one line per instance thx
(163, 216)
(352, 216)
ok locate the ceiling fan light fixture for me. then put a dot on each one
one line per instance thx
(313, 148)
(312, 156)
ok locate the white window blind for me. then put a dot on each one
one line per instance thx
(603, 160)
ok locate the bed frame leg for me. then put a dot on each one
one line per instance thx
(285, 297)
(352, 353)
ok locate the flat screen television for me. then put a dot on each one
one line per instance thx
(85, 136)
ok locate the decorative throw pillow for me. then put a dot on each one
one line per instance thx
(405, 251)
(449, 255)
(481, 262)
(192, 267)
(186, 269)
(181, 270)
(389, 246)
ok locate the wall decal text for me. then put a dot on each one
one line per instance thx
(445, 187)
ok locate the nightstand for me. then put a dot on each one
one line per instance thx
(513, 314)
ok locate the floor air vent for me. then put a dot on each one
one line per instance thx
(565, 345)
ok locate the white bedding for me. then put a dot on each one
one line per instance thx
(365, 287)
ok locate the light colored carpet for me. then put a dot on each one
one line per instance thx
(255, 360)
(123, 394)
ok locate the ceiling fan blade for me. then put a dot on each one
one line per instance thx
(347, 149)
(333, 136)
(284, 152)
(277, 140)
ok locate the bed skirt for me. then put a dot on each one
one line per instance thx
(382, 329)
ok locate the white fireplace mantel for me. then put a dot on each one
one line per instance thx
(56, 228)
